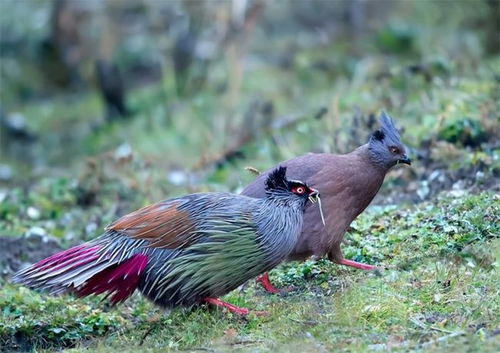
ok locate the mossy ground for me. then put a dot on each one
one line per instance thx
(439, 280)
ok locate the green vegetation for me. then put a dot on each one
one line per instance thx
(438, 280)
(434, 227)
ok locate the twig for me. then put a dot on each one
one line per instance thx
(307, 322)
(422, 325)
(147, 334)
(439, 329)
(155, 324)
(443, 338)
(245, 342)
(253, 170)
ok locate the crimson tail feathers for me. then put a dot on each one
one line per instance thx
(119, 280)
(85, 270)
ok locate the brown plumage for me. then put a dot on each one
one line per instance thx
(163, 225)
(347, 183)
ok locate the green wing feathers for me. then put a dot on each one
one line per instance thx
(228, 256)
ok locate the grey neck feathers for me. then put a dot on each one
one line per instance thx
(279, 223)
(371, 157)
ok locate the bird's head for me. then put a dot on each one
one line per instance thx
(386, 148)
(278, 184)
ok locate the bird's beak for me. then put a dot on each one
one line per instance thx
(405, 159)
(314, 197)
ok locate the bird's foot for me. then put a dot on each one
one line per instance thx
(266, 283)
(359, 265)
(270, 288)
(233, 308)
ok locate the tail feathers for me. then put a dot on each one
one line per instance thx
(61, 271)
(84, 270)
(119, 280)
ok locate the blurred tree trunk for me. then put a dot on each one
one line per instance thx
(493, 27)
(61, 53)
(109, 76)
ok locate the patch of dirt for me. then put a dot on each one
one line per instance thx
(16, 253)
(409, 186)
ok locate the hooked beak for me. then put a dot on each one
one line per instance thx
(405, 159)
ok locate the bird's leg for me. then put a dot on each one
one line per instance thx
(266, 283)
(232, 308)
(356, 264)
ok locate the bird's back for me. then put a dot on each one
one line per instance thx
(241, 237)
(347, 184)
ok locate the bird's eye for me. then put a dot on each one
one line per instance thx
(394, 150)
(299, 190)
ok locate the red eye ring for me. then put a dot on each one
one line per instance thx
(299, 190)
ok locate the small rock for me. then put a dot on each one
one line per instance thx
(36, 232)
(459, 185)
(6, 172)
(424, 190)
(177, 177)
(123, 152)
(434, 175)
(480, 176)
(91, 228)
(33, 212)
(17, 128)
(457, 193)
(16, 121)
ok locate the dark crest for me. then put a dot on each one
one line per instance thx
(387, 129)
(277, 179)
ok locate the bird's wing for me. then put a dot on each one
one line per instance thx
(168, 224)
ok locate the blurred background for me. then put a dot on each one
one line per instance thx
(106, 106)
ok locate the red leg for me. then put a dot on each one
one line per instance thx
(266, 283)
(359, 265)
(232, 308)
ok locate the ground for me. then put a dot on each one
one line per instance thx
(437, 289)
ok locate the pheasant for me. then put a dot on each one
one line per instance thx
(348, 183)
(183, 251)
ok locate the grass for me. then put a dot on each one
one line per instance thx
(440, 259)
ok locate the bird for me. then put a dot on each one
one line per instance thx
(348, 183)
(183, 251)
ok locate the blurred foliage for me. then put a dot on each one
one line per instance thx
(398, 40)
(467, 132)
